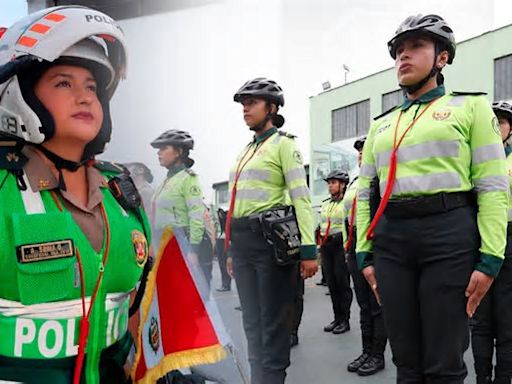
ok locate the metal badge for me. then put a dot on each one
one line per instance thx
(30, 253)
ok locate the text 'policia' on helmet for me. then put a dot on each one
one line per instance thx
(503, 108)
(263, 88)
(174, 137)
(359, 143)
(337, 175)
(67, 35)
(433, 26)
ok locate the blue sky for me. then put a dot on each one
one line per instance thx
(11, 10)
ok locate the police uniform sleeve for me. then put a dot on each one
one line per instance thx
(196, 208)
(295, 179)
(344, 217)
(489, 176)
(364, 247)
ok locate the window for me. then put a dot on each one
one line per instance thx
(503, 78)
(390, 99)
(351, 121)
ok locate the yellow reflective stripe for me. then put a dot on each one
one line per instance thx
(252, 174)
(295, 174)
(252, 194)
(487, 153)
(420, 151)
(368, 170)
(363, 194)
(498, 183)
(299, 192)
(424, 183)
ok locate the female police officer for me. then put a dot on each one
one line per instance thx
(490, 327)
(71, 251)
(436, 246)
(266, 276)
(373, 332)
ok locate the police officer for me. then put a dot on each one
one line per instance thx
(373, 332)
(491, 323)
(330, 240)
(142, 177)
(269, 166)
(434, 247)
(178, 201)
(72, 249)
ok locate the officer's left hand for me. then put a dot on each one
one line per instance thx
(479, 284)
(308, 268)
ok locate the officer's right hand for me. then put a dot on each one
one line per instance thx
(479, 284)
(229, 267)
(308, 268)
(369, 275)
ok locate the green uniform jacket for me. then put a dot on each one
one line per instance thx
(348, 199)
(178, 202)
(39, 340)
(275, 168)
(332, 209)
(455, 146)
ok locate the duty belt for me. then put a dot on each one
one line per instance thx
(428, 205)
(334, 238)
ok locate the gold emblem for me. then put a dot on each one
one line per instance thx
(12, 157)
(43, 183)
(441, 114)
(140, 246)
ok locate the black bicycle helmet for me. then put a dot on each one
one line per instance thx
(359, 143)
(338, 175)
(176, 138)
(263, 88)
(432, 25)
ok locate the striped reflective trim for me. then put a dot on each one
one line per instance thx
(196, 215)
(295, 174)
(510, 214)
(424, 183)
(368, 170)
(277, 139)
(487, 153)
(299, 192)
(194, 201)
(348, 205)
(421, 151)
(456, 101)
(252, 174)
(497, 183)
(363, 194)
(252, 194)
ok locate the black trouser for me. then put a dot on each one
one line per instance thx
(267, 293)
(337, 277)
(373, 331)
(423, 266)
(492, 324)
(221, 257)
(299, 303)
(206, 259)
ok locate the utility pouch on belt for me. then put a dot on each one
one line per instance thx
(374, 197)
(280, 229)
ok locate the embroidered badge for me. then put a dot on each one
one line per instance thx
(441, 114)
(29, 253)
(140, 246)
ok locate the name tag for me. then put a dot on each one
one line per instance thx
(30, 253)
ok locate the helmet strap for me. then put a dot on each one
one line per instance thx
(61, 163)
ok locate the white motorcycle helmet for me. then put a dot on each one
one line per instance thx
(72, 35)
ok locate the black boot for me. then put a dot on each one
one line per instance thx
(371, 366)
(342, 327)
(498, 380)
(483, 380)
(483, 370)
(358, 362)
(331, 326)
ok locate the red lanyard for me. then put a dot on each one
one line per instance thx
(84, 322)
(240, 167)
(351, 224)
(329, 215)
(392, 171)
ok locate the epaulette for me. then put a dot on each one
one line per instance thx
(385, 113)
(458, 93)
(286, 134)
(190, 172)
(11, 157)
(109, 166)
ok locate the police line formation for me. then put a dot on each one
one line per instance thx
(422, 231)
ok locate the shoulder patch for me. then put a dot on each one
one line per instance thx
(11, 157)
(286, 134)
(190, 172)
(459, 93)
(385, 113)
(109, 166)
